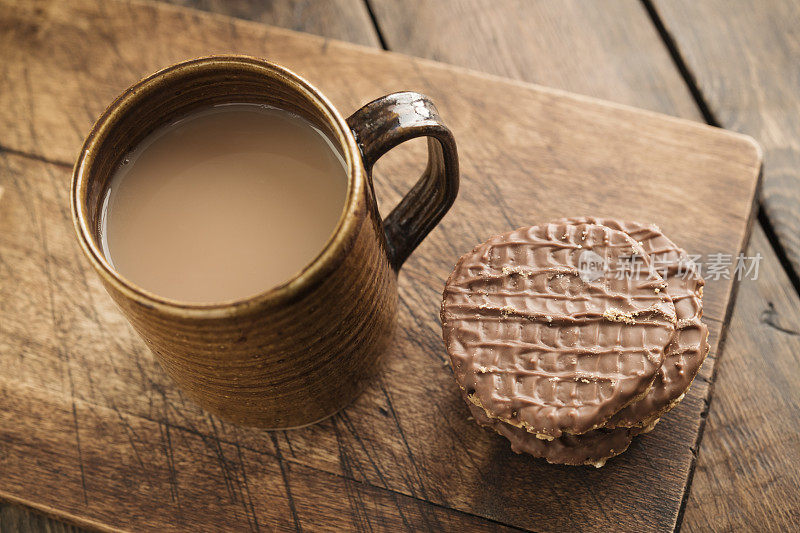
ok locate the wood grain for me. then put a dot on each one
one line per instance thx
(15, 518)
(743, 55)
(747, 477)
(602, 48)
(405, 436)
(346, 20)
(736, 462)
(338, 19)
(626, 62)
(123, 455)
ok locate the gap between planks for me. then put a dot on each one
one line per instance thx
(712, 120)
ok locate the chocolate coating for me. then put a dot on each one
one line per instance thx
(591, 448)
(689, 345)
(543, 343)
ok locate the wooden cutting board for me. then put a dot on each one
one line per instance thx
(91, 430)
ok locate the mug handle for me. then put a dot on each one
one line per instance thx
(388, 121)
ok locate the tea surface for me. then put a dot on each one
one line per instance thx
(223, 204)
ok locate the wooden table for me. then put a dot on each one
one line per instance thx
(728, 63)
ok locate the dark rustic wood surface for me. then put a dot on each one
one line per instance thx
(624, 59)
(747, 476)
(745, 58)
(406, 436)
(16, 518)
(346, 20)
(650, 93)
(743, 55)
(602, 48)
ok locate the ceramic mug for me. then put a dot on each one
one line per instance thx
(298, 352)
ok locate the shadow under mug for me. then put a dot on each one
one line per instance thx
(298, 352)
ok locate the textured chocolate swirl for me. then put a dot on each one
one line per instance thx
(689, 345)
(542, 342)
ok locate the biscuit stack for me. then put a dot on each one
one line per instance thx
(572, 337)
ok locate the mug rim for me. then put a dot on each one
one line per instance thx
(314, 271)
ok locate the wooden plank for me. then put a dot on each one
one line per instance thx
(390, 438)
(588, 43)
(22, 520)
(254, 491)
(743, 55)
(747, 476)
(346, 20)
(602, 66)
(337, 19)
(602, 48)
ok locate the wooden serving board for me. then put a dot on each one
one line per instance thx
(92, 430)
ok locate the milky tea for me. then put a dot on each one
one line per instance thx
(223, 204)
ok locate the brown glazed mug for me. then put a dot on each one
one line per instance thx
(296, 353)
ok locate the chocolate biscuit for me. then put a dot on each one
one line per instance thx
(554, 328)
(593, 448)
(688, 348)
